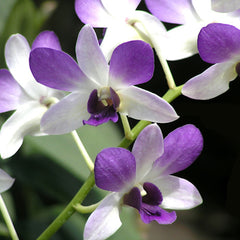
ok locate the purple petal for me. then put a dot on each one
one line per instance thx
(92, 12)
(133, 198)
(56, 69)
(178, 193)
(46, 39)
(218, 42)
(174, 11)
(212, 82)
(181, 148)
(154, 196)
(90, 57)
(115, 168)
(131, 63)
(151, 213)
(10, 91)
(145, 155)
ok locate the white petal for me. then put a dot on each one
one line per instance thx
(5, 181)
(145, 156)
(225, 6)
(181, 42)
(143, 105)
(25, 121)
(178, 193)
(17, 52)
(66, 115)
(211, 83)
(90, 57)
(105, 220)
(120, 8)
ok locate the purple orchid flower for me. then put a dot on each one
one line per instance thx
(141, 179)
(122, 22)
(20, 92)
(217, 43)
(192, 15)
(98, 90)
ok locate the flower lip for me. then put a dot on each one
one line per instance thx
(102, 105)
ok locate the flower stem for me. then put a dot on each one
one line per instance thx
(86, 209)
(127, 130)
(83, 151)
(8, 220)
(69, 210)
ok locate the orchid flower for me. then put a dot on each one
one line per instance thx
(98, 90)
(5, 181)
(20, 92)
(141, 179)
(122, 21)
(193, 15)
(217, 43)
(225, 6)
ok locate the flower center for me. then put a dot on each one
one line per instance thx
(237, 68)
(48, 101)
(103, 106)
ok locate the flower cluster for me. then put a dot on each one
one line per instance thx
(52, 94)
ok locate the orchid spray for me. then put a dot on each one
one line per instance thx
(91, 133)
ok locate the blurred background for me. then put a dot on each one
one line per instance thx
(49, 170)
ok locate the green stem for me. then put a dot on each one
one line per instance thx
(86, 209)
(83, 151)
(69, 210)
(126, 127)
(8, 220)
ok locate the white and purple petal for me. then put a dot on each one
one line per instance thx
(115, 169)
(212, 82)
(178, 193)
(24, 121)
(47, 39)
(11, 92)
(174, 11)
(145, 155)
(218, 42)
(17, 53)
(131, 63)
(66, 115)
(90, 57)
(5, 181)
(57, 70)
(105, 220)
(181, 148)
(92, 12)
(143, 105)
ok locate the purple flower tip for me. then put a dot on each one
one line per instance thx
(148, 205)
(102, 107)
